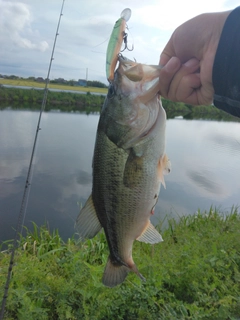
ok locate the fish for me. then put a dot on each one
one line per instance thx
(129, 165)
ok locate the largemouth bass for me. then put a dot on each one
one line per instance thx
(129, 164)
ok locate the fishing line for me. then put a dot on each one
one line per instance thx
(101, 43)
(22, 212)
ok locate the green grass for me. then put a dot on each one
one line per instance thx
(31, 99)
(34, 84)
(193, 274)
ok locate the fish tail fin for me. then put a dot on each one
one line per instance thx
(114, 274)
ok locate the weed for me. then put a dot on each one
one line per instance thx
(193, 274)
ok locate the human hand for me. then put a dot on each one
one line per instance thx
(188, 59)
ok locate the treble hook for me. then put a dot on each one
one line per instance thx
(125, 35)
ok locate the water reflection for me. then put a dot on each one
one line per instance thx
(204, 155)
(206, 180)
(83, 177)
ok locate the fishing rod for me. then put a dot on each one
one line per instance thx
(22, 212)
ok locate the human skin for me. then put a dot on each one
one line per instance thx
(188, 60)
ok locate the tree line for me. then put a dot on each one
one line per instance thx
(72, 82)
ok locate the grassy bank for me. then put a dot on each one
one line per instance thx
(193, 274)
(72, 102)
(64, 101)
(34, 84)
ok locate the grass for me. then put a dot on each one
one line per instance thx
(34, 84)
(193, 274)
(86, 102)
(31, 99)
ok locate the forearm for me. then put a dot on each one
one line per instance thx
(226, 68)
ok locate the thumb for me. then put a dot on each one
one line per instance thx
(164, 58)
(167, 53)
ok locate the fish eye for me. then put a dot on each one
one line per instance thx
(111, 91)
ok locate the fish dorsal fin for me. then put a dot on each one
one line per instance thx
(87, 223)
(150, 235)
(164, 168)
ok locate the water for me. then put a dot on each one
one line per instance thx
(205, 157)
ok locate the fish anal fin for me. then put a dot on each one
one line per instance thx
(150, 235)
(114, 274)
(87, 223)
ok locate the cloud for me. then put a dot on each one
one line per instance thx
(27, 26)
(16, 29)
(169, 15)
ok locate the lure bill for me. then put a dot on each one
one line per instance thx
(117, 37)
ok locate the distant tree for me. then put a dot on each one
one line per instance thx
(97, 84)
(72, 82)
(13, 77)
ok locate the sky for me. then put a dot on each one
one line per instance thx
(28, 28)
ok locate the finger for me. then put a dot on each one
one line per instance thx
(167, 53)
(167, 73)
(164, 58)
(192, 91)
(187, 89)
(179, 84)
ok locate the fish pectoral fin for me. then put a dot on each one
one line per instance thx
(87, 223)
(164, 168)
(150, 235)
(167, 166)
(133, 170)
(114, 274)
(161, 178)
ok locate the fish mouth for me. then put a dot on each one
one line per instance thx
(140, 84)
(136, 80)
(133, 103)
